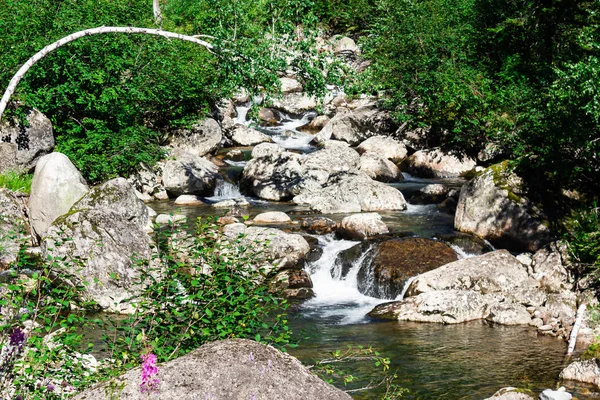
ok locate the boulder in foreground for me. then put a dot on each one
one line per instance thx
(235, 369)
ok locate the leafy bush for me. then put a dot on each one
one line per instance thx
(584, 242)
(16, 181)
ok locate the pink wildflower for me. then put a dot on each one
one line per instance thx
(149, 370)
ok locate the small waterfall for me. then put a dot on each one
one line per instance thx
(489, 244)
(460, 252)
(405, 288)
(242, 114)
(337, 295)
(226, 190)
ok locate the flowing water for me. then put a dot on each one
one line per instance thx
(465, 361)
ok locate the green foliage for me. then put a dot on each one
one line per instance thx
(16, 181)
(199, 289)
(584, 243)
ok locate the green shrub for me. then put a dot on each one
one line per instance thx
(16, 181)
(584, 242)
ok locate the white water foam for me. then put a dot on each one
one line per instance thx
(242, 114)
(461, 253)
(226, 190)
(338, 296)
(405, 288)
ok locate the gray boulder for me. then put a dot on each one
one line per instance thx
(491, 206)
(290, 85)
(351, 192)
(511, 393)
(431, 194)
(362, 226)
(278, 249)
(33, 141)
(204, 137)
(380, 168)
(550, 267)
(272, 217)
(345, 46)
(385, 146)
(98, 238)
(56, 186)
(189, 174)
(344, 126)
(233, 369)
(586, 371)
(436, 164)
(242, 135)
(333, 157)
(295, 103)
(13, 229)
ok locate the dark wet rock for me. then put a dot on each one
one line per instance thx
(318, 225)
(227, 369)
(395, 261)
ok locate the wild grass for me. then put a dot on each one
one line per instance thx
(16, 181)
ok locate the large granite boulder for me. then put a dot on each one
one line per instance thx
(344, 126)
(362, 226)
(494, 286)
(242, 135)
(385, 146)
(436, 164)
(492, 206)
(98, 238)
(235, 369)
(277, 249)
(13, 227)
(333, 157)
(33, 141)
(189, 174)
(550, 266)
(351, 192)
(56, 186)
(295, 103)
(395, 261)
(8, 157)
(202, 138)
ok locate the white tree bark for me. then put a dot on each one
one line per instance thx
(157, 13)
(575, 330)
(12, 86)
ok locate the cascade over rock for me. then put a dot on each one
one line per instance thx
(98, 237)
(492, 206)
(227, 369)
(56, 186)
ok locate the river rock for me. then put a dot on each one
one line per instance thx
(351, 192)
(279, 249)
(293, 284)
(315, 125)
(385, 146)
(13, 229)
(227, 369)
(273, 174)
(295, 103)
(8, 157)
(272, 217)
(449, 307)
(334, 156)
(491, 207)
(560, 394)
(343, 126)
(245, 136)
(345, 46)
(362, 226)
(380, 168)
(395, 261)
(164, 219)
(232, 203)
(436, 164)
(430, 194)
(33, 141)
(318, 225)
(290, 85)
(511, 393)
(235, 155)
(269, 115)
(188, 200)
(189, 174)
(586, 371)
(56, 186)
(202, 138)
(509, 314)
(98, 238)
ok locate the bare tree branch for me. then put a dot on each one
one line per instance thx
(12, 86)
